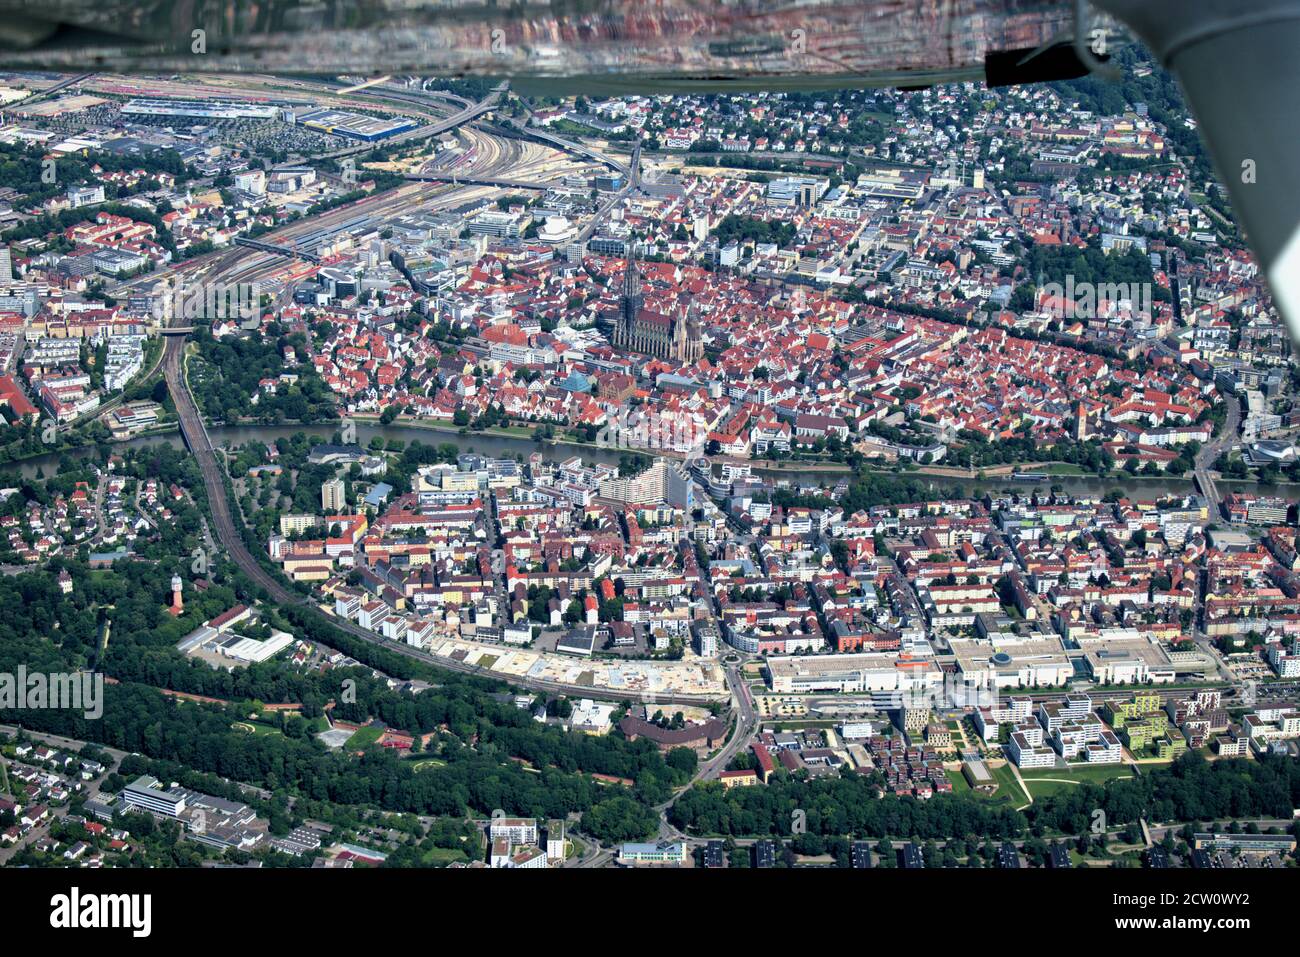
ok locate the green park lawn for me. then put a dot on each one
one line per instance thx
(1009, 791)
(363, 738)
(1044, 782)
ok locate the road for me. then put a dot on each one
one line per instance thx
(742, 734)
(66, 744)
(428, 130)
(1205, 460)
(75, 746)
(629, 188)
(1152, 834)
(49, 91)
(200, 446)
(745, 728)
(1210, 452)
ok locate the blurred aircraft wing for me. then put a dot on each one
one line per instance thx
(642, 45)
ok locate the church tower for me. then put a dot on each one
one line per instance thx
(651, 333)
(1080, 422)
(686, 344)
(632, 298)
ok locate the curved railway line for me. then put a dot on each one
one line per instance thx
(199, 443)
(496, 155)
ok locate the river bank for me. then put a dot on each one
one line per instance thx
(511, 444)
(766, 465)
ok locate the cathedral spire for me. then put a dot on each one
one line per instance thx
(631, 299)
(631, 275)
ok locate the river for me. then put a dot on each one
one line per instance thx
(496, 446)
(499, 446)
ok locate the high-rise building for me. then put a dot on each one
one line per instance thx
(664, 481)
(332, 495)
(151, 795)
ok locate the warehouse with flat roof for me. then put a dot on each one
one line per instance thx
(356, 125)
(868, 671)
(202, 109)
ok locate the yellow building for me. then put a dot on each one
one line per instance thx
(738, 779)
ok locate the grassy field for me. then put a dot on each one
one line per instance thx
(1009, 791)
(442, 856)
(1044, 782)
(1064, 468)
(270, 725)
(363, 738)
(1097, 773)
(1009, 786)
(1041, 788)
(256, 726)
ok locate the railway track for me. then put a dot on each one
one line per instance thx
(196, 438)
(238, 263)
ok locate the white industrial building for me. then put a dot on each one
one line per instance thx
(868, 671)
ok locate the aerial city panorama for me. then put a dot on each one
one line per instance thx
(403, 471)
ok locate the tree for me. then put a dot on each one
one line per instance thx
(684, 760)
(619, 819)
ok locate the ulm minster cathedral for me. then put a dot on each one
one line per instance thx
(638, 329)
